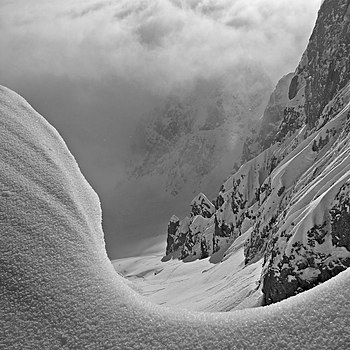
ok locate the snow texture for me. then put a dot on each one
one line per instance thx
(58, 290)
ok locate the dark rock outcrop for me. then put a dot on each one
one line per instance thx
(173, 242)
(201, 205)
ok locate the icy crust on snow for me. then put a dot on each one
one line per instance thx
(58, 290)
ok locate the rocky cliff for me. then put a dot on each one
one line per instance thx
(291, 199)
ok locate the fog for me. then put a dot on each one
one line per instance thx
(95, 68)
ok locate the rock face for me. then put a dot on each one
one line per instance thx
(292, 197)
(264, 132)
(201, 205)
(324, 69)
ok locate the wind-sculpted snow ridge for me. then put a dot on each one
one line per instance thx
(58, 290)
(294, 195)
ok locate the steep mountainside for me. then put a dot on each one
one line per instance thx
(293, 195)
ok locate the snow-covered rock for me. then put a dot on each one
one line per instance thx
(58, 290)
(292, 198)
(201, 205)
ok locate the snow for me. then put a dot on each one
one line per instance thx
(201, 285)
(313, 196)
(58, 290)
(174, 219)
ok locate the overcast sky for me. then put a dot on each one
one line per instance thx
(93, 68)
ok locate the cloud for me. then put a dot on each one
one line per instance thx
(94, 68)
(160, 41)
(143, 47)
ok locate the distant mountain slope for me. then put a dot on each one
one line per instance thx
(189, 136)
(294, 193)
(191, 142)
(58, 290)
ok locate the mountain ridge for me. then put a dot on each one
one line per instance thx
(295, 227)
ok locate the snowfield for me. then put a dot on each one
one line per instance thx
(201, 285)
(58, 289)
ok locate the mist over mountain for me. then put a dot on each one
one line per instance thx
(190, 142)
(96, 68)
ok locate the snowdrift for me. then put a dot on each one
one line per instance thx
(58, 289)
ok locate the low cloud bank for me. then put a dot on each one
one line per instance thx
(156, 44)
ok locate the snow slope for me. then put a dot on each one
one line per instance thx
(200, 285)
(58, 290)
(293, 195)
